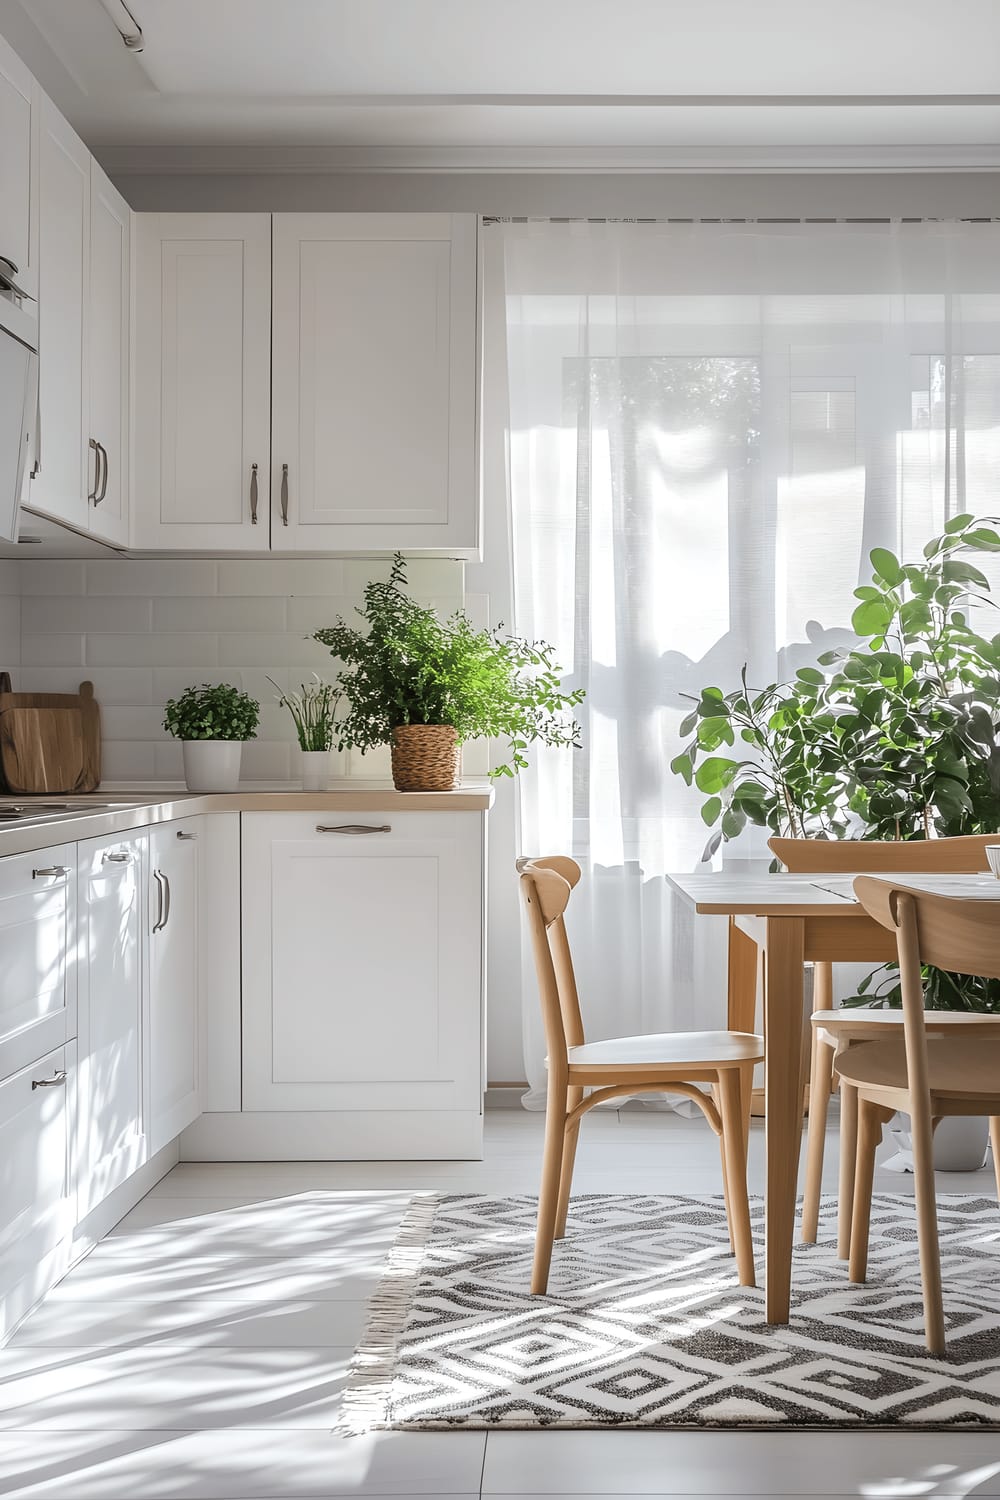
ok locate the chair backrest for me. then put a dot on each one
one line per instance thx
(965, 855)
(546, 885)
(950, 932)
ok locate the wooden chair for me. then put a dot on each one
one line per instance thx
(670, 1063)
(925, 1077)
(835, 1030)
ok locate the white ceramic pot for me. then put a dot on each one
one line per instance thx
(212, 765)
(315, 770)
(959, 1144)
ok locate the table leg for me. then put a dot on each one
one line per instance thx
(783, 1084)
(742, 979)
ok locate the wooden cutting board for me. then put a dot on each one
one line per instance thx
(49, 742)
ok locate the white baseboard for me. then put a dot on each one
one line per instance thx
(335, 1135)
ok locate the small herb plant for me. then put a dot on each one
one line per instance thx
(408, 666)
(313, 709)
(212, 712)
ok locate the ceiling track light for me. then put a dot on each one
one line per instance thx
(126, 25)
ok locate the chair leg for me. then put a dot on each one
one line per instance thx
(820, 1074)
(717, 1096)
(995, 1148)
(848, 1159)
(746, 1102)
(548, 1198)
(869, 1135)
(922, 1137)
(737, 1204)
(570, 1138)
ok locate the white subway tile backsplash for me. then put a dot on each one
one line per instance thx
(65, 579)
(236, 613)
(281, 576)
(10, 576)
(287, 649)
(152, 577)
(51, 650)
(46, 614)
(156, 650)
(144, 629)
(113, 686)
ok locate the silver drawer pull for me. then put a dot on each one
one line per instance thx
(116, 859)
(55, 871)
(187, 835)
(55, 1082)
(353, 828)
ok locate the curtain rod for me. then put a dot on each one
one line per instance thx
(553, 219)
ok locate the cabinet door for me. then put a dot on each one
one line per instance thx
(362, 985)
(37, 1186)
(111, 923)
(19, 100)
(108, 356)
(171, 1033)
(374, 388)
(202, 381)
(65, 471)
(37, 971)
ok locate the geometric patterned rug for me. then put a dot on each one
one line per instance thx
(644, 1324)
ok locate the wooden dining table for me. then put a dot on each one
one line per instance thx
(791, 920)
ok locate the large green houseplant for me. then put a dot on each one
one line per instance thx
(424, 685)
(892, 738)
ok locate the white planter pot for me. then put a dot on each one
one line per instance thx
(959, 1144)
(315, 770)
(212, 765)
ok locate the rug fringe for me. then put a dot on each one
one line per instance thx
(365, 1403)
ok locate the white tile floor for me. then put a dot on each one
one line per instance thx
(199, 1352)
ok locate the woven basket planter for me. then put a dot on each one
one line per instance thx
(425, 758)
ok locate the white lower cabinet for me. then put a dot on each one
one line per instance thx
(171, 1030)
(37, 973)
(37, 1186)
(110, 941)
(362, 983)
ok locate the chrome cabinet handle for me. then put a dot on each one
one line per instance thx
(104, 486)
(159, 901)
(191, 836)
(95, 448)
(166, 895)
(56, 871)
(56, 1082)
(353, 828)
(121, 858)
(253, 494)
(284, 494)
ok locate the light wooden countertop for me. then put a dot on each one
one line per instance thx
(117, 810)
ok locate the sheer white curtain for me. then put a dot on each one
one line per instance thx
(710, 428)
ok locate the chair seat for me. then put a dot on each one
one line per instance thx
(669, 1049)
(958, 1066)
(853, 1023)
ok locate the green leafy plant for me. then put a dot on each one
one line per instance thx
(313, 709)
(408, 666)
(895, 737)
(212, 712)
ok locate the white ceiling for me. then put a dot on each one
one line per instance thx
(525, 84)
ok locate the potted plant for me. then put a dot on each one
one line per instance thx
(212, 721)
(425, 685)
(893, 738)
(313, 709)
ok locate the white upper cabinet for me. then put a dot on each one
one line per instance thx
(108, 358)
(202, 381)
(19, 100)
(374, 382)
(67, 471)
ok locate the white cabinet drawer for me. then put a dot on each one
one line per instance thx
(36, 1166)
(37, 978)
